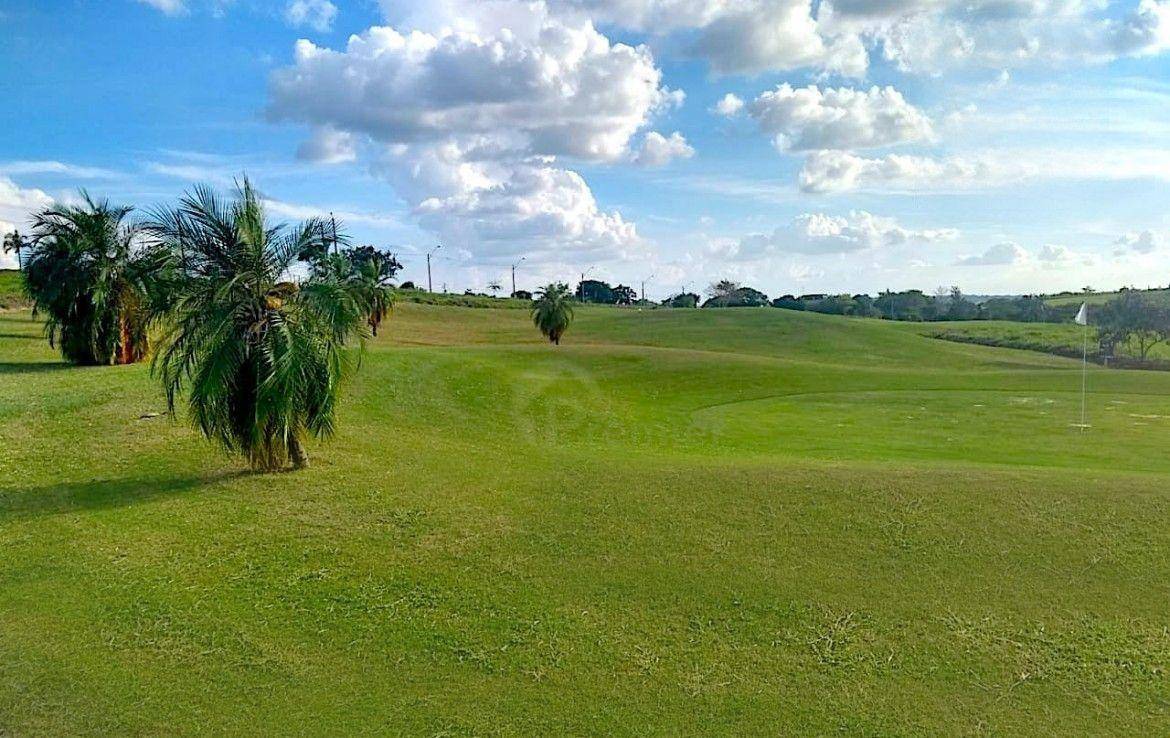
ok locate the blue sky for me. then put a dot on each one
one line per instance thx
(1003, 146)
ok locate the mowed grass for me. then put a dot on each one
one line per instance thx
(1161, 296)
(11, 290)
(678, 522)
(1061, 338)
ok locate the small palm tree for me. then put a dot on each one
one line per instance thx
(259, 356)
(371, 279)
(88, 274)
(14, 242)
(495, 287)
(553, 311)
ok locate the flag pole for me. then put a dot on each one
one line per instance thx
(1082, 319)
(1084, 370)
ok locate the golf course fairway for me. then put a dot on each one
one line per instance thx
(739, 521)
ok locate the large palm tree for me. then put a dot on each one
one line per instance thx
(553, 311)
(258, 355)
(89, 275)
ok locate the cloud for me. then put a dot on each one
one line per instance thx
(757, 36)
(541, 211)
(169, 7)
(729, 105)
(316, 14)
(17, 204)
(931, 37)
(562, 90)
(328, 146)
(467, 123)
(1002, 254)
(808, 118)
(658, 150)
(835, 171)
(820, 233)
(299, 212)
(1143, 242)
(1055, 254)
(919, 36)
(19, 168)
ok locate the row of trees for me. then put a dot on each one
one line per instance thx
(1130, 322)
(908, 305)
(254, 322)
(257, 354)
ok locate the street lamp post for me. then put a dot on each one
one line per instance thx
(644, 281)
(430, 285)
(522, 258)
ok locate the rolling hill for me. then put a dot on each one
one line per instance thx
(678, 522)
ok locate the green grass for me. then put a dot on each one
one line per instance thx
(422, 297)
(1100, 298)
(1063, 339)
(678, 522)
(11, 290)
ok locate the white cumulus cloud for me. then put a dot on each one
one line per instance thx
(821, 233)
(328, 146)
(658, 150)
(809, 118)
(729, 105)
(835, 171)
(468, 122)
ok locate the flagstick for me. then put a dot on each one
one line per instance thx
(1084, 371)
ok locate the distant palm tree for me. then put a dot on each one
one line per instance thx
(87, 274)
(495, 287)
(553, 311)
(14, 242)
(372, 280)
(258, 355)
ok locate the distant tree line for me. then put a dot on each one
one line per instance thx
(908, 305)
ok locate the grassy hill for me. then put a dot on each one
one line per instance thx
(731, 521)
(1064, 339)
(11, 291)
(1100, 298)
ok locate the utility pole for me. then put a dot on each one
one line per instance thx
(522, 258)
(430, 285)
(582, 283)
(644, 281)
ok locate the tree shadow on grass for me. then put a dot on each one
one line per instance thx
(33, 367)
(100, 494)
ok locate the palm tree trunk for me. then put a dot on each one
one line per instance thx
(300, 459)
(125, 347)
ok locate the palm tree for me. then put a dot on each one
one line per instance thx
(14, 242)
(495, 287)
(87, 274)
(553, 311)
(258, 355)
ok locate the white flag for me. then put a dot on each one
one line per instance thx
(1082, 314)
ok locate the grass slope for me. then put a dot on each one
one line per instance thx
(736, 521)
(11, 290)
(1158, 295)
(1064, 339)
